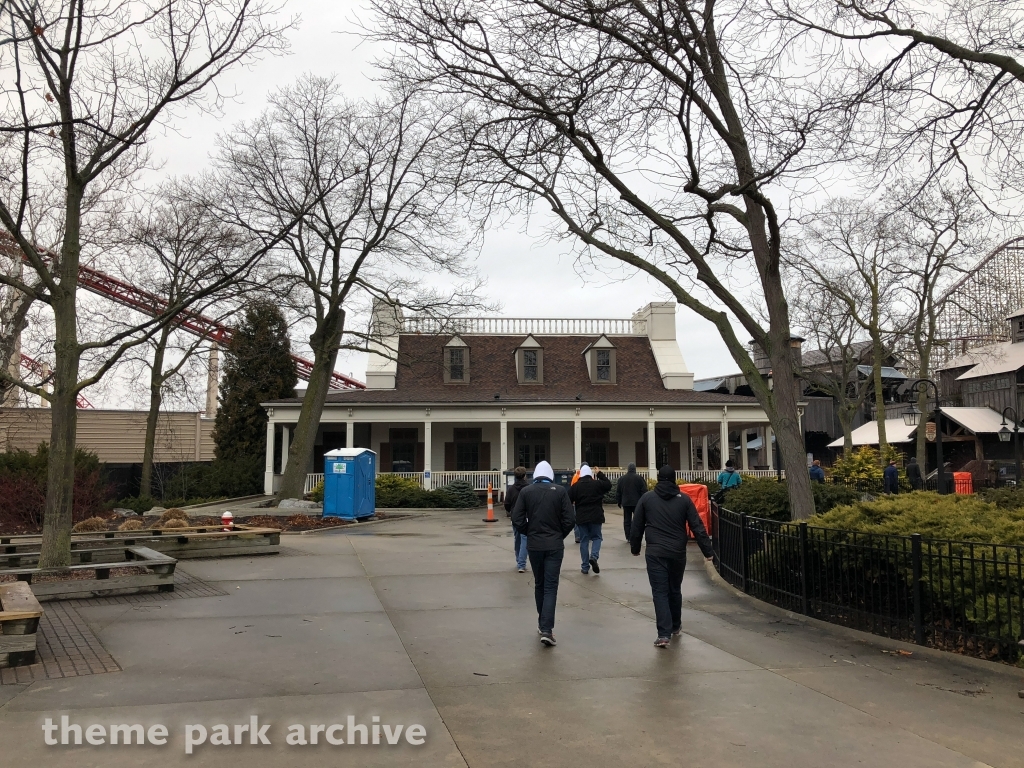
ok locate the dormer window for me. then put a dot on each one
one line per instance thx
(600, 357)
(530, 362)
(456, 362)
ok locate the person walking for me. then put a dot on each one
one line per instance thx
(628, 491)
(518, 539)
(544, 514)
(663, 516)
(728, 477)
(891, 478)
(914, 474)
(588, 496)
(817, 473)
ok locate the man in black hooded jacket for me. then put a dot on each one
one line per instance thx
(664, 515)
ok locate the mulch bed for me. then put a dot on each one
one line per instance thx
(292, 523)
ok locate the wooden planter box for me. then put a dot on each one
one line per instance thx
(159, 574)
(19, 619)
(179, 543)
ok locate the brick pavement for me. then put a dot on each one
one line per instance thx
(66, 647)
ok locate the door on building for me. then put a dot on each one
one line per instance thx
(467, 452)
(405, 452)
(531, 447)
(598, 450)
(665, 451)
(330, 441)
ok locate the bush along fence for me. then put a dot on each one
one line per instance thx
(960, 596)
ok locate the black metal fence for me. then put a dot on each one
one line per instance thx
(959, 596)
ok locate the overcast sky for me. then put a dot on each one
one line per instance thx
(527, 277)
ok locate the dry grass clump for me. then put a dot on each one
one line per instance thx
(131, 524)
(172, 523)
(90, 525)
(174, 514)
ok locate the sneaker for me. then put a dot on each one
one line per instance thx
(677, 632)
(577, 541)
(548, 639)
(594, 565)
(522, 570)
(661, 642)
(584, 571)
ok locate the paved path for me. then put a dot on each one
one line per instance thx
(424, 621)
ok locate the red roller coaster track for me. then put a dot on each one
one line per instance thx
(152, 305)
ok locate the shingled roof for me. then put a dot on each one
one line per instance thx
(492, 371)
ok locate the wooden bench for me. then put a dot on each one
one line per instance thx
(19, 620)
(159, 573)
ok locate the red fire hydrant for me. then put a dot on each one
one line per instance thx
(226, 519)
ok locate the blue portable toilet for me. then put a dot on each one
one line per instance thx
(350, 475)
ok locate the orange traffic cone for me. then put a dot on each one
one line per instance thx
(490, 505)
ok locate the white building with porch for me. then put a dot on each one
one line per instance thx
(469, 398)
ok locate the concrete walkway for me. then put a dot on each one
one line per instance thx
(425, 621)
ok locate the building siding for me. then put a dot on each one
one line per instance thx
(116, 437)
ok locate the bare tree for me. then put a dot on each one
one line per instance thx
(832, 367)
(851, 251)
(941, 81)
(654, 132)
(180, 248)
(375, 193)
(87, 81)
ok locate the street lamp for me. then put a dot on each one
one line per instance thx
(912, 417)
(1004, 435)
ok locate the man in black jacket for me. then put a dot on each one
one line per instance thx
(518, 538)
(543, 512)
(588, 496)
(914, 474)
(664, 515)
(628, 491)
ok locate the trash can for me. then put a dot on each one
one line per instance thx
(964, 483)
(350, 476)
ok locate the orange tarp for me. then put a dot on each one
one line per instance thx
(699, 495)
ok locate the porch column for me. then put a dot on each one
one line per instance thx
(743, 448)
(652, 455)
(690, 463)
(268, 476)
(284, 447)
(704, 452)
(768, 447)
(350, 434)
(428, 445)
(577, 431)
(723, 432)
(503, 463)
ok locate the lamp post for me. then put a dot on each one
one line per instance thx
(912, 418)
(1004, 436)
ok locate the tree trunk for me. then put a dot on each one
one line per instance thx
(55, 549)
(324, 343)
(156, 383)
(786, 423)
(876, 372)
(846, 424)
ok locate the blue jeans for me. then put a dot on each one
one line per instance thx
(666, 577)
(519, 547)
(546, 564)
(589, 532)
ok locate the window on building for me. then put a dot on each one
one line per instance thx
(532, 446)
(604, 365)
(456, 364)
(600, 358)
(403, 449)
(530, 368)
(467, 452)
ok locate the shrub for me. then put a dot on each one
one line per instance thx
(459, 493)
(89, 525)
(317, 494)
(131, 524)
(1004, 498)
(769, 498)
(23, 487)
(954, 517)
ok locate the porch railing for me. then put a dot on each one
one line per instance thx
(479, 480)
